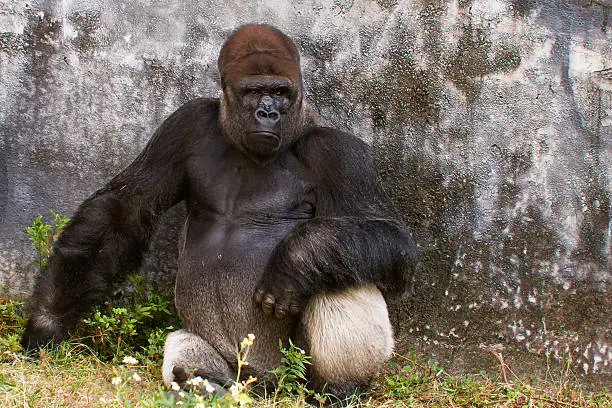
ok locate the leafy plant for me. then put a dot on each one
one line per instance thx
(43, 236)
(291, 373)
(136, 324)
(11, 316)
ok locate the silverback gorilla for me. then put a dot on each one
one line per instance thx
(288, 233)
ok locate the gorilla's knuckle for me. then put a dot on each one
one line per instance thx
(258, 296)
(280, 312)
(294, 309)
(267, 305)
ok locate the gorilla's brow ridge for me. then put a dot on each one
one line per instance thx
(275, 52)
(271, 51)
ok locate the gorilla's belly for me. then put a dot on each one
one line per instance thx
(218, 272)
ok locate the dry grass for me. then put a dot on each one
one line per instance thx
(74, 376)
(69, 377)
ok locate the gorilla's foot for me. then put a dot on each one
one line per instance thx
(190, 361)
(196, 382)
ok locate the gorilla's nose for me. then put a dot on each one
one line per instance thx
(267, 116)
(266, 113)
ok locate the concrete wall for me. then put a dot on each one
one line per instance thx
(491, 122)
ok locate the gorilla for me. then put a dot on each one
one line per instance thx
(288, 233)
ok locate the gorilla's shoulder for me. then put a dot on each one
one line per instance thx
(194, 114)
(207, 106)
(327, 141)
(191, 122)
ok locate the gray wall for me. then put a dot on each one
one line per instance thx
(491, 122)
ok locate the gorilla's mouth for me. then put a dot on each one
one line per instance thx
(262, 143)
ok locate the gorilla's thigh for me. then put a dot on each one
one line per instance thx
(348, 335)
(189, 352)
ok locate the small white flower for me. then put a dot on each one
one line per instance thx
(116, 380)
(208, 386)
(129, 360)
(136, 377)
(235, 389)
(179, 403)
(195, 381)
(247, 341)
(175, 386)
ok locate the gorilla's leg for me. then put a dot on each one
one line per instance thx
(349, 336)
(187, 355)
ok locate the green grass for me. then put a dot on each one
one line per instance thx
(79, 374)
(113, 359)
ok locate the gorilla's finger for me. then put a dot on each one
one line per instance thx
(294, 309)
(258, 296)
(280, 311)
(267, 304)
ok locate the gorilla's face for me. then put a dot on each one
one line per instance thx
(261, 114)
(261, 108)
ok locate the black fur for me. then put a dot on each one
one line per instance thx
(267, 228)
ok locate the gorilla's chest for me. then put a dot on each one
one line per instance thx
(236, 207)
(236, 189)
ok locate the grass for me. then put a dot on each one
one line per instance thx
(113, 359)
(76, 374)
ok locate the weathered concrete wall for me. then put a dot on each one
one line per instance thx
(491, 121)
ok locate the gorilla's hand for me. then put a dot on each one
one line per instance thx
(301, 265)
(309, 260)
(277, 295)
(40, 333)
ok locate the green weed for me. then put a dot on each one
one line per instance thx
(43, 236)
(291, 381)
(134, 324)
(113, 359)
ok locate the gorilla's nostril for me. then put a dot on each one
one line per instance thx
(267, 117)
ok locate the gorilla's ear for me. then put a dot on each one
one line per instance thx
(259, 50)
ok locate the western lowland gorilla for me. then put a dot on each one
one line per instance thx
(288, 232)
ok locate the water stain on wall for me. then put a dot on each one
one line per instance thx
(473, 59)
(497, 271)
(402, 93)
(86, 24)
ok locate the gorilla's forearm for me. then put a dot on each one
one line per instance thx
(104, 240)
(330, 254)
(336, 253)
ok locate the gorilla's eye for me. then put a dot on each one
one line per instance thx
(281, 91)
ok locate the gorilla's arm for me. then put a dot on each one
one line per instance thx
(355, 236)
(108, 233)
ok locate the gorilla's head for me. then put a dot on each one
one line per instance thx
(261, 109)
